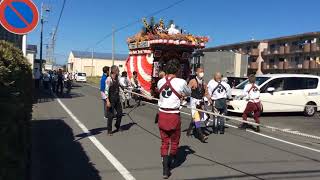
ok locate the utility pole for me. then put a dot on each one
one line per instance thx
(113, 45)
(41, 37)
(43, 8)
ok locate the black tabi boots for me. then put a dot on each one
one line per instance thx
(165, 164)
(201, 136)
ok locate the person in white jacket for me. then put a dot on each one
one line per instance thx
(219, 91)
(251, 93)
(125, 85)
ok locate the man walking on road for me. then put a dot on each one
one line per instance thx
(37, 77)
(60, 82)
(252, 95)
(171, 90)
(136, 87)
(113, 102)
(198, 91)
(103, 80)
(125, 85)
(219, 91)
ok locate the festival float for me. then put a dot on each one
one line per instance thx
(151, 48)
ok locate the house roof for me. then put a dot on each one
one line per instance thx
(32, 48)
(98, 55)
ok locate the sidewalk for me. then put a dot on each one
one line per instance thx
(55, 153)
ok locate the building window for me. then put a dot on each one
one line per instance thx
(296, 60)
(272, 47)
(271, 63)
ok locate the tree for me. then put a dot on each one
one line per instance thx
(15, 110)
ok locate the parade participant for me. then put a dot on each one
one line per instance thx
(37, 77)
(103, 80)
(125, 85)
(198, 90)
(69, 83)
(136, 87)
(199, 116)
(54, 81)
(162, 74)
(113, 101)
(60, 82)
(251, 93)
(219, 91)
(46, 80)
(171, 89)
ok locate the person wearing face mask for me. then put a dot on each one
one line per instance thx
(113, 102)
(198, 91)
(219, 91)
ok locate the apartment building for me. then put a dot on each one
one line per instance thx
(289, 54)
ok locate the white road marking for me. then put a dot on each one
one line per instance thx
(122, 170)
(287, 142)
(229, 125)
(259, 134)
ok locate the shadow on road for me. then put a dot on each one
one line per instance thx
(56, 154)
(127, 127)
(182, 154)
(70, 95)
(93, 132)
(43, 96)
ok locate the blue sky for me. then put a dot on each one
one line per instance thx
(85, 22)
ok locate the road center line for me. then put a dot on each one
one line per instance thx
(122, 170)
(259, 134)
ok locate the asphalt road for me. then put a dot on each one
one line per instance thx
(62, 150)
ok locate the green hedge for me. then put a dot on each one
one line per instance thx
(15, 112)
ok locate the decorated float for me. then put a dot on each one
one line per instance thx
(151, 48)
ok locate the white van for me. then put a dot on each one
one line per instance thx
(282, 93)
(81, 77)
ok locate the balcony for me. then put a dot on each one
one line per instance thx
(314, 47)
(313, 64)
(306, 48)
(281, 50)
(287, 49)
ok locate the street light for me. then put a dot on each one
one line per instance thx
(46, 9)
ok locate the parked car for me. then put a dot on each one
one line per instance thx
(282, 93)
(81, 77)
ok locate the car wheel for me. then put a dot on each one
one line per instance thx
(310, 109)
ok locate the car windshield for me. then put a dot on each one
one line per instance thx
(259, 81)
(81, 74)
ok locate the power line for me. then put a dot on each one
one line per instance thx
(137, 21)
(60, 16)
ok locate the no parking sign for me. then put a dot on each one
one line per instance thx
(18, 16)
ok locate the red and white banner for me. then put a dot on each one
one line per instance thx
(142, 64)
